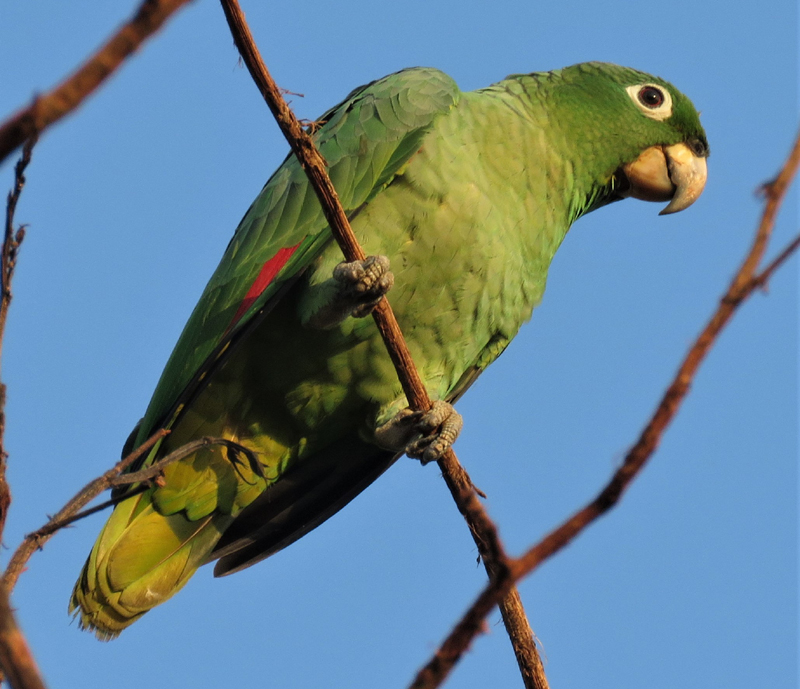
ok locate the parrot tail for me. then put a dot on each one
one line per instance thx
(141, 559)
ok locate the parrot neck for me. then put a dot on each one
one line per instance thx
(581, 163)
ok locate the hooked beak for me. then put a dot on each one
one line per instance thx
(667, 173)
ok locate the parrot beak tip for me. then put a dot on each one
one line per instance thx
(688, 172)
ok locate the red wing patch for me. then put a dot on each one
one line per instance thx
(265, 276)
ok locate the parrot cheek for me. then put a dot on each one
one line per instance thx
(648, 176)
(666, 173)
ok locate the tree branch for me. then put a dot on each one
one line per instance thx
(34, 540)
(763, 277)
(8, 262)
(16, 659)
(68, 95)
(744, 283)
(481, 526)
(112, 478)
(12, 239)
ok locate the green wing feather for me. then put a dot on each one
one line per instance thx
(154, 541)
(472, 208)
(366, 140)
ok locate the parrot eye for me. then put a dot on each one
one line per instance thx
(652, 100)
(650, 96)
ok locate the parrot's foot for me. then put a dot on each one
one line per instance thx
(360, 286)
(438, 427)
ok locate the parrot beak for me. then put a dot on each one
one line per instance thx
(667, 173)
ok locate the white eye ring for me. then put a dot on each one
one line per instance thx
(646, 98)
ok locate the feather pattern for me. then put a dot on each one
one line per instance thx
(470, 195)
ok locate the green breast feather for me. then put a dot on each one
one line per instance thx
(470, 196)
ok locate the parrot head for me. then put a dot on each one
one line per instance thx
(659, 148)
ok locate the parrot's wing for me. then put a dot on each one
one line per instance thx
(366, 140)
(307, 494)
(311, 491)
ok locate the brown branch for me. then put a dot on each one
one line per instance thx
(12, 239)
(744, 283)
(112, 478)
(763, 277)
(16, 659)
(34, 541)
(8, 262)
(51, 107)
(461, 487)
(53, 526)
(5, 489)
(522, 639)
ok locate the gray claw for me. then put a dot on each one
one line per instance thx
(364, 283)
(359, 286)
(422, 435)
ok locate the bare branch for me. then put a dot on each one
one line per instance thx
(522, 640)
(483, 529)
(5, 490)
(495, 560)
(744, 283)
(51, 107)
(763, 277)
(52, 526)
(89, 492)
(12, 239)
(8, 261)
(16, 659)
(114, 477)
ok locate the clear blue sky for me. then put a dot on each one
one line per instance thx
(691, 582)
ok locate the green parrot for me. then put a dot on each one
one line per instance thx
(470, 195)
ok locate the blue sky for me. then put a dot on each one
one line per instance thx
(691, 582)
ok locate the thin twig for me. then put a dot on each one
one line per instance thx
(449, 653)
(522, 640)
(12, 238)
(744, 283)
(763, 277)
(114, 477)
(52, 106)
(483, 529)
(52, 527)
(144, 477)
(496, 562)
(89, 492)
(5, 489)
(16, 659)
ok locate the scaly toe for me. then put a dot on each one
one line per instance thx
(359, 286)
(397, 431)
(440, 427)
(364, 283)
